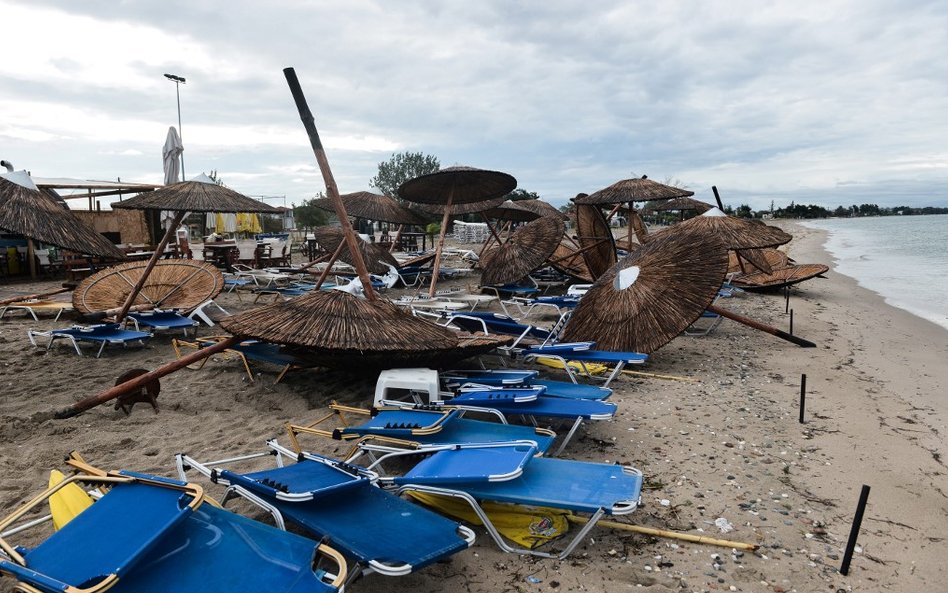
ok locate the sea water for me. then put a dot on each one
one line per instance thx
(902, 258)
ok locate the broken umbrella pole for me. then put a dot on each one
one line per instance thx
(761, 326)
(37, 296)
(138, 382)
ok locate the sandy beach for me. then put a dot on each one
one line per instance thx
(725, 443)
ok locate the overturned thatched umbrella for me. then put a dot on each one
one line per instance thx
(774, 259)
(337, 322)
(173, 283)
(787, 276)
(568, 260)
(201, 194)
(451, 186)
(596, 243)
(526, 250)
(26, 210)
(651, 296)
(374, 256)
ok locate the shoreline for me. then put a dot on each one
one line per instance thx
(722, 443)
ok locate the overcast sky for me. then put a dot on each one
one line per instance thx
(826, 102)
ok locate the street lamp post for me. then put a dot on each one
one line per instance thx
(178, 80)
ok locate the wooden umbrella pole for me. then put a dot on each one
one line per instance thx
(309, 123)
(444, 227)
(129, 386)
(159, 250)
(398, 235)
(698, 539)
(580, 251)
(487, 243)
(31, 297)
(31, 257)
(632, 214)
(613, 211)
(332, 262)
(490, 227)
(761, 326)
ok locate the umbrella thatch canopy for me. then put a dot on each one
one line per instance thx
(471, 208)
(526, 250)
(651, 296)
(794, 274)
(465, 185)
(172, 283)
(468, 346)
(511, 210)
(567, 260)
(634, 190)
(335, 322)
(26, 210)
(735, 233)
(371, 206)
(683, 204)
(375, 256)
(542, 208)
(451, 186)
(595, 239)
(201, 194)
(775, 259)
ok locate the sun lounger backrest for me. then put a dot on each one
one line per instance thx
(124, 525)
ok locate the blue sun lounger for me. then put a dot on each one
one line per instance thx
(161, 320)
(101, 334)
(596, 489)
(340, 504)
(149, 534)
(457, 378)
(424, 425)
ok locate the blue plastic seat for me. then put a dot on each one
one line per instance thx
(596, 489)
(339, 504)
(101, 334)
(161, 320)
(150, 534)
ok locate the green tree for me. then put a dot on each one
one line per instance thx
(744, 211)
(522, 194)
(400, 168)
(308, 215)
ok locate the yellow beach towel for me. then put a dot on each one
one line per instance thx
(594, 368)
(67, 502)
(527, 526)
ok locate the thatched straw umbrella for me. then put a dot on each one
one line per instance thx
(683, 204)
(455, 185)
(526, 250)
(788, 276)
(628, 191)
(172, 283)
(333, 321)
(26, 210)
(363, 204)
(370, 206)
(568, 260)
(374, 256)
(735, 233)
(651, 296)
(774, 259)
(542, 208)
(596, 243)
(512, 211)
(201, 194)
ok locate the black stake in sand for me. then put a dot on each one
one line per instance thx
(854, 532)
(786, 297)
(803, 398)
(791, 322)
